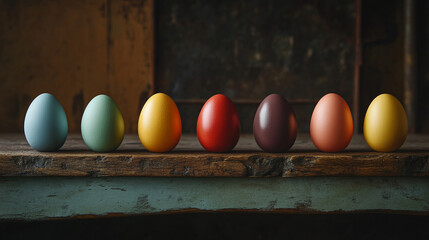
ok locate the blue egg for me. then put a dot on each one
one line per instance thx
(45, 124)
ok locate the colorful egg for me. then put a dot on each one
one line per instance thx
(45, 124)
(218, 125)
(160, 125)
(385, 125)
(102, 124)
(274, 125)
(331, 126)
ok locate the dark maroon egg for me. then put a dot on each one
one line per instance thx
(274, 126)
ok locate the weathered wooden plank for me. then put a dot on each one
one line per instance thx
(38, 198)
(75, 50)
(190, 160)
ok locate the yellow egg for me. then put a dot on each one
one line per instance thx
(160, 126)
(385, 126)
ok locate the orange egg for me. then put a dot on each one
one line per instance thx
(331, 126)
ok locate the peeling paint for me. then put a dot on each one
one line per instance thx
(142, 204)
(32, 162)
(51, 197)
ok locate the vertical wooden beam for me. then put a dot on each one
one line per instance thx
(358, 64)
(131, 72)
(130, 56)
(410, 79)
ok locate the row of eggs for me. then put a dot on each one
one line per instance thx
(218, 125)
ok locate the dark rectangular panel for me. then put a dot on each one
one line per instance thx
(249, 49)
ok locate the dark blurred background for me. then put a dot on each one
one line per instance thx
(191, 50)
(211, 226)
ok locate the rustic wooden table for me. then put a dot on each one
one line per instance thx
(75, 182)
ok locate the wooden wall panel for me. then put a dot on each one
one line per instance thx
(422, 37)
(75, 50)
(382, 51)
(250, 49)
(130, 72)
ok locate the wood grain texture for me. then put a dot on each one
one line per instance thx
(75, 50)
(189, 159)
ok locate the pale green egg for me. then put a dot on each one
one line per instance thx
(102, 124)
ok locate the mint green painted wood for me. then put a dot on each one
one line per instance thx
(37, 198)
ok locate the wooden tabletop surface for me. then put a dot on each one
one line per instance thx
(189, 159)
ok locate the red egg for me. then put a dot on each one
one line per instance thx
(218, 125)
(331, 126)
